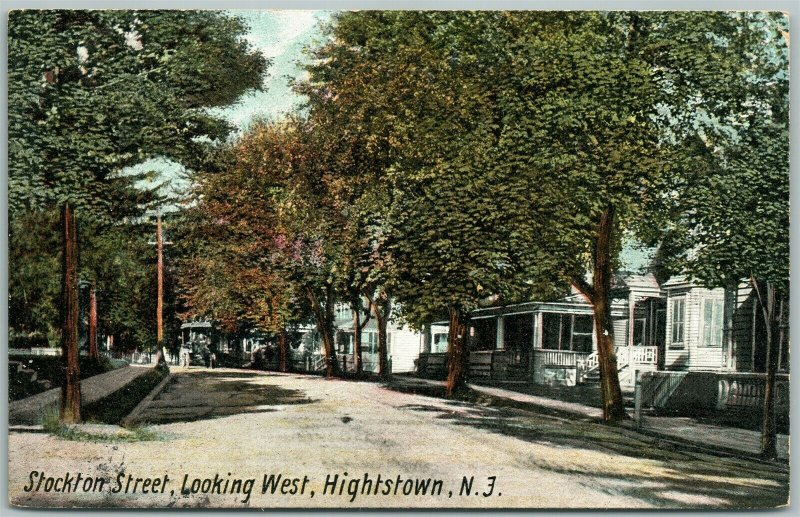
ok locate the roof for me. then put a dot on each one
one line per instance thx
(197, 325)
(677, 281)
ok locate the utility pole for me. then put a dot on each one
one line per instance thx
(160, 301)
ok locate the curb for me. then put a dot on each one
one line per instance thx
(632, 428)
(145, 401)
(689, 445)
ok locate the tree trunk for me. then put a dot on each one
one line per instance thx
(381, 308)
(358, 366)
(282, 352)
(767, 298)
(94, 355)
(598, 295)
(70, 408)
(324, 319)
(160, 360)
(457, 353)
(383, 355)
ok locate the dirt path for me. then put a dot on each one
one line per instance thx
(242, 425)
(29, 411)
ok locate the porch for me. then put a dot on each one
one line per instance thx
(546, 367)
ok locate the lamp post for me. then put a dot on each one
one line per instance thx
(93, 353)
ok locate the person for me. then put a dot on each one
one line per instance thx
(185, 356)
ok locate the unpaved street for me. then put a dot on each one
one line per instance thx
(244, 426)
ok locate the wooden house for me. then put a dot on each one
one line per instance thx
(555, 343)
(403, 344)
(717, 330)
(715, 354)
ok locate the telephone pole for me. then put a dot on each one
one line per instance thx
(160, 301)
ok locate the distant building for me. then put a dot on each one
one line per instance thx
(403, 344)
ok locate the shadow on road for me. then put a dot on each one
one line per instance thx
(195, 394)
(669, 477)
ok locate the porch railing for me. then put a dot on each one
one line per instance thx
(560, 358)
(688, 392)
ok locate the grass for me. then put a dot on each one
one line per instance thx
(109, 410)
(116, 406)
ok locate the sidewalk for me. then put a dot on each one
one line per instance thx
(29, 411)
(681, 430)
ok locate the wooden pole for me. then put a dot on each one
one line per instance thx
(160, 302)
(70, 408)
(93, 353)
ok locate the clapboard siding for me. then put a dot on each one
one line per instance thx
(620, 332)
(404, 349)
(694, 356)
(702, 357)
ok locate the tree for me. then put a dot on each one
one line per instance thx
(730, 218)
(408, 94)
(267, 239)
(91, 92)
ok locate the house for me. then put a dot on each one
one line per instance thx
(554, 342)
(715, 353)
(715, 329)
(403, 344)
(690, 348)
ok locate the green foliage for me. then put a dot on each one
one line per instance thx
(477, 150)
(34, 275)
(723, 215)
(91, 92)
(255, 238)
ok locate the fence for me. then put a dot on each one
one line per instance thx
(559, 366)
(140, 357)
(35, 351)
(691, 393)
(432, 365)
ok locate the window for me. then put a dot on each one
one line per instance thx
(678, 320)
(582, 328)
(369, 342)
(552, 330)
(344, 342)
(712, 323)
(639, 331)
(439, 343)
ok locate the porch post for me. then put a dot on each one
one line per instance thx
(728, 306)
(631, 319)
(500, 338)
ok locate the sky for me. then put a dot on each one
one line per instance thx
(281, 37)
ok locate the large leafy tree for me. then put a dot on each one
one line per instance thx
(579, 101)
(459, 113)
(265, 236)
(91, 92)
(408, 94)
(730, 218)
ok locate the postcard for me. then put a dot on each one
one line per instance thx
(265, 259)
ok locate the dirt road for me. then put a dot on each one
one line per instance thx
(355, 444)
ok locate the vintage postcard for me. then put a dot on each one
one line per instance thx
(398, 259)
